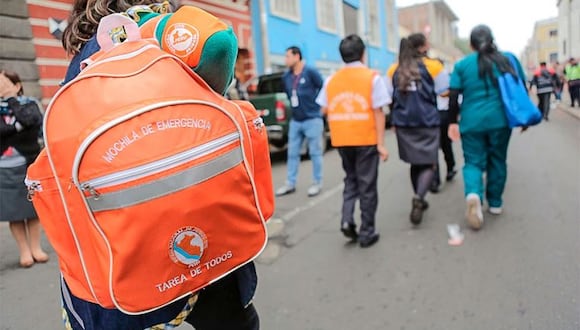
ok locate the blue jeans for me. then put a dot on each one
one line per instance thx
(486, 152)
(311, 130)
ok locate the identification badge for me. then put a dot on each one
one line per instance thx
(294, 99)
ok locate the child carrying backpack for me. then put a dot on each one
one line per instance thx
(151, 195)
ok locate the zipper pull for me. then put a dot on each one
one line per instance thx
(259, 124)
(92, 191)
(32, 189)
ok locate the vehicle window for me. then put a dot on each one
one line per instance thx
(271, 85)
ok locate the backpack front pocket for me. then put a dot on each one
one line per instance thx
(178, 218)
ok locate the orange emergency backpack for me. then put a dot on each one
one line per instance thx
(151, 185)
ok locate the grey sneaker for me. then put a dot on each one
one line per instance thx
(285, 190)
(314, 190)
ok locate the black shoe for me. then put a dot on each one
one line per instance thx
(434, 188)
(451, 174)
(419, 206)
(369, 241)
(546, 119)
(349, 231)
(425, 205)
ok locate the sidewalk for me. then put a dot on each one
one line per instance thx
(574, 112)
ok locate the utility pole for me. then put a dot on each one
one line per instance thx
(264, 28)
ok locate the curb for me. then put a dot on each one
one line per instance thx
(571, 111)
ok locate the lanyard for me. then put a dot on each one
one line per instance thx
(296, 80)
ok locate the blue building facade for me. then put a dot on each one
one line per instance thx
(317, 26)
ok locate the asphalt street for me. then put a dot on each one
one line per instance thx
(521, 271)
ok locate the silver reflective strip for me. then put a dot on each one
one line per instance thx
(167, 185)
(68, 302)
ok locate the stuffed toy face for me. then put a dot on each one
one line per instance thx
(206, 44)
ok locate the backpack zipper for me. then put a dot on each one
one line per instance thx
(136, 173)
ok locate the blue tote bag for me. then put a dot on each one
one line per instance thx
(519, 109)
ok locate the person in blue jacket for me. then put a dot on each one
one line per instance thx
(226, 304)
(481, 123)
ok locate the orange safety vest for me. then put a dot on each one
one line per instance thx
(151, 186)
(350, 115)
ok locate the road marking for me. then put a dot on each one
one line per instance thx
(312, 203)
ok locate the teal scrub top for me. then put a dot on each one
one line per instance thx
(482, 108)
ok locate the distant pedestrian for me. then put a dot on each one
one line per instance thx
(302, 83)
(353, 99)
(559, 82)
(445, 143)
(545, 80)
(483, 128)
(414, 83)
(20, 124)
(572, 74)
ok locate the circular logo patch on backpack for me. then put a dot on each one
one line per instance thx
(187, 246)
(182, 39)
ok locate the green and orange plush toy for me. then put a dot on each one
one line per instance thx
(205, 43)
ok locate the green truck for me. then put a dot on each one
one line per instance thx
(272, 103)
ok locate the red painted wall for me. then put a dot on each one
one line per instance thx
(52, 60)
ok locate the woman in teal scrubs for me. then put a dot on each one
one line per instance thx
(483, 125)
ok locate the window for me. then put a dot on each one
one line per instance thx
(326, 15)
(553, 57)
(373, 24)
(392, 28)
(289, 9)
(350, 19)
(553, 33)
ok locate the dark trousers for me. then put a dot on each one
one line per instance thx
(574, 89)
(544, 103)
(219, 307)
(361, 166)
(422, 177)
(446, 146)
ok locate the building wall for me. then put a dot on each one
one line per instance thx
(30, 39)
(543, 46)
(546, 44)
(415, 18)
(568, 29)
(319, 47)
(17, 52)
(435, 21)
(46, 16)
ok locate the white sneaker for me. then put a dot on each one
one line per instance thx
(285, 190)
(314, 190)
(495, 210)
(474, 213)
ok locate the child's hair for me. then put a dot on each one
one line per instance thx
(14, 78)
(86, 14)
